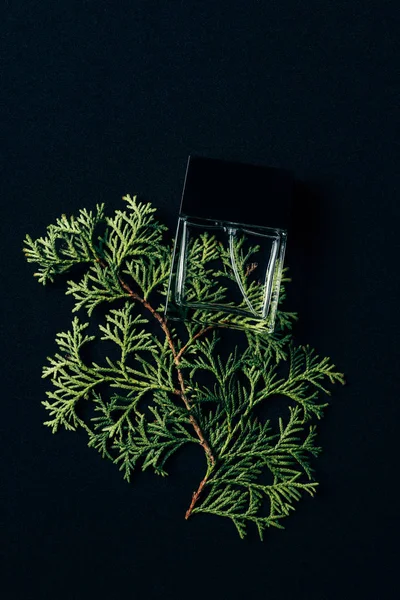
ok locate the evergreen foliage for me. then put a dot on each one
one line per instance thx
(150, 399)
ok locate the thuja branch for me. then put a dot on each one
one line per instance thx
(220, 416)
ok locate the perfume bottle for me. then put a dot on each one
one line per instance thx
(230, 245)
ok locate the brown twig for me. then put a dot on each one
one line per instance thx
(250, 268)
(195, 497)
(182, 393)
(164, 327)
(195, 337)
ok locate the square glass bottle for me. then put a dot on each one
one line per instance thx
(230, 245)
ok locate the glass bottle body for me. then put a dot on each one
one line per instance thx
(226, 273)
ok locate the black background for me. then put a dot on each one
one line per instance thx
(106, 98)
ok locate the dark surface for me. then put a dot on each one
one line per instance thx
(103, 99)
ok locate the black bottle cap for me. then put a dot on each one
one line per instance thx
(232, 191)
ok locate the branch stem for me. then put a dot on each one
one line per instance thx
(195, 337)
(177, 357)
(196, 496)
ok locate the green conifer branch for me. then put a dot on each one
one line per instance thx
(144, 405)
